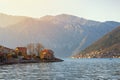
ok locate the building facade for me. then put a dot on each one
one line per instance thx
(47, 54)
(22, 50)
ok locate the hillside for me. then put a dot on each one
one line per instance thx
(65, 34)
(107, 46)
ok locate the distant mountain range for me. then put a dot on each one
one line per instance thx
(106, 47)
(65, 34)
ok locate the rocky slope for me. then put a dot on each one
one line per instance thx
(106, 47)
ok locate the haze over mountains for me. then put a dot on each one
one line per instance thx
(65, 34)
(7, 20)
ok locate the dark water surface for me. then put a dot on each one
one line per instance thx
(70, 69)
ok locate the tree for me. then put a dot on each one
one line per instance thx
(30, 48)
(19, 53)
(39, 48)
(35, 48)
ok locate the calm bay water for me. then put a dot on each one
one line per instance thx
(70, 69)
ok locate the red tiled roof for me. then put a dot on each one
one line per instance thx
(47, 50)
(21, 47)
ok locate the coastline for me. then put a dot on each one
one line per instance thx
(31, 61)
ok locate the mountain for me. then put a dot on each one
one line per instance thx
(65, 34)
(106, 47)
(6, 20)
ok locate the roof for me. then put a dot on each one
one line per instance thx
(21, 47)
(48, 50)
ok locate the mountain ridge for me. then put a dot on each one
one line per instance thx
(65, 36)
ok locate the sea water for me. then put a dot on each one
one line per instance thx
(69, 69)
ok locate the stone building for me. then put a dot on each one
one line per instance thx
(47, 54)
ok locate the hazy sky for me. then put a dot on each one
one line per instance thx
(100, 10)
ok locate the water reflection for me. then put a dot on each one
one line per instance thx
(70, 69)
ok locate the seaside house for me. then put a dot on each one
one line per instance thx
(5, 53)
(6, 50)
(47, 54)
(22, 51)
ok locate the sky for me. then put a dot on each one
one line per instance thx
(99, 10)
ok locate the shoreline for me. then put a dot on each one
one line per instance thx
(31, 61)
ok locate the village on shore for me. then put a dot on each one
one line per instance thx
(26, 55)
